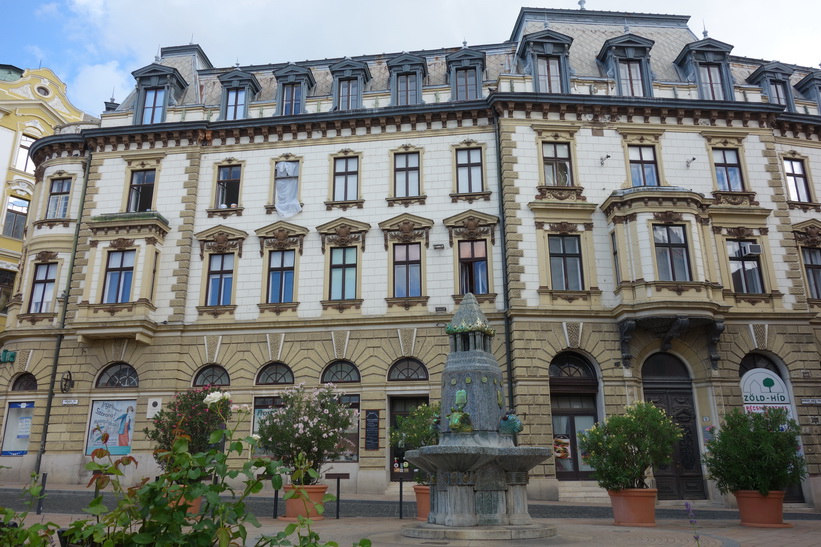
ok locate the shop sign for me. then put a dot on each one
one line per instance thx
(18, 429)
(763, 389)
(7, 356)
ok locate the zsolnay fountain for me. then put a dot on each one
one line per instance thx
(478, 476)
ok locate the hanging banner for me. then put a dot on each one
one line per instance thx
(115, 418)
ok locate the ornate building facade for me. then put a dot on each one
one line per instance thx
(633, 207)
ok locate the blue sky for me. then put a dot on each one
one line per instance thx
(94, 45)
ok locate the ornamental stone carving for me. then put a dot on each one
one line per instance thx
(810, 237)
(121, 243)
(668, 217)
(45, 256)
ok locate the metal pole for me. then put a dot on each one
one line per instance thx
(401, 485)
(337, 497)
(42, 494)
(276, 503)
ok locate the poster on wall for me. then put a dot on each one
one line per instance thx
(763, 389)
(115, 418)
(18, 429)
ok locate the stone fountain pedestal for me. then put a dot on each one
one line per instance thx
(478, 476)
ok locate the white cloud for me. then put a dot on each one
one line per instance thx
(47, 10)
(93, 85)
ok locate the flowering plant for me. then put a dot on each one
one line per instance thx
(757, 451)
(192, 415)
(312, 421)
(622, 448)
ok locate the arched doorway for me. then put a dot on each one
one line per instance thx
(406, 370)
(667, 384)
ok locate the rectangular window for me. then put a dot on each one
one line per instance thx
(119, 273)
(346, 179)
(466, 84)
(473, 276)
(228, 178)
(23, 162)
(16, 214)
(550, 79)
(671, 253)
(711, 84)
(406, 175)
(42, 290)
(565, 263)
(728, 170)
(291, 99)
(350, 442)
(556, 158)
(796, 180)
(18, 428)
(235, 104)
(286, 188)
(220, 279)
(153, 105)
(643, 169)
(58, 198)
(343, 273)
(348, 98)
(141, 192)
(812, 265)
(745, 266)
(630, 80)
(779, 92)
(281, 277)
(6, 289)
(406, 89)
(616, 264)
(407, 270)
(469, 170)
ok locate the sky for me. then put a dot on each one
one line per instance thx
(94, 45)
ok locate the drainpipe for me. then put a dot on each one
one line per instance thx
(59, 342)
(505, 289)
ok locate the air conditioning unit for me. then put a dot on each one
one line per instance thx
(751, 249)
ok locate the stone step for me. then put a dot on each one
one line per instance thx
(582, 491)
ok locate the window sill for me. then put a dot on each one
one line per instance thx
(36, 317)
(52, 222)
(278, 307)
(470, 197)
(216, 311)
(344, 205)
(481, 298)
(406, 201)
(225, 213)
(805, 206)
(742, 198)
(407, 302)
(342, 305)
(561, 193)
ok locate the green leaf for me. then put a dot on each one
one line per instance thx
(328, 497)
(143, 539)
(319, 508)
(223, 536)
(290, 529)
(215, 437)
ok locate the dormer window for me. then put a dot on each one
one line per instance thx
(810, 87)
(350, 78)
(407, 73)
(774, 79)
(238, 89)
(626, 59)
(465, 69)
(158, 87)
(293, 84)
(707, 63)
(545, 56)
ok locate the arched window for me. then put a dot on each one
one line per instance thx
(570, 365)
(25, 382)
(212, 375)
(665, 368)
(275, 373)
(408, 369)
(119, 375)
(756, 360)
(340, 372)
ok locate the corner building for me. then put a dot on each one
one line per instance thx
(634, 208)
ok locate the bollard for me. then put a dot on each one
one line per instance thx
(42, 494)
(338, 477)
(276, 503)
(338, 495)
(401, 485)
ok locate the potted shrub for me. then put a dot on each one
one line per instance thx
(192, 415)
(621, 450)
(412, 432)
(755, 456)
(305, 433)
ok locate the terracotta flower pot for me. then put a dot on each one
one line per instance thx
(295, 506)
(761, 511)
(634, 506)
(422, 501)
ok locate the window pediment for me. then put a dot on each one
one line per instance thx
(155, 75)
(407, 62)
(239, 78)
(626, 46)
(348, 68)
(471, 225)
(466, 57)
(808, 233)
(281, 236)
(548, 42)
(294, 73)
(343, 232)
(221, 239)
(406, 228)
(707, 50)
(771, 70)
